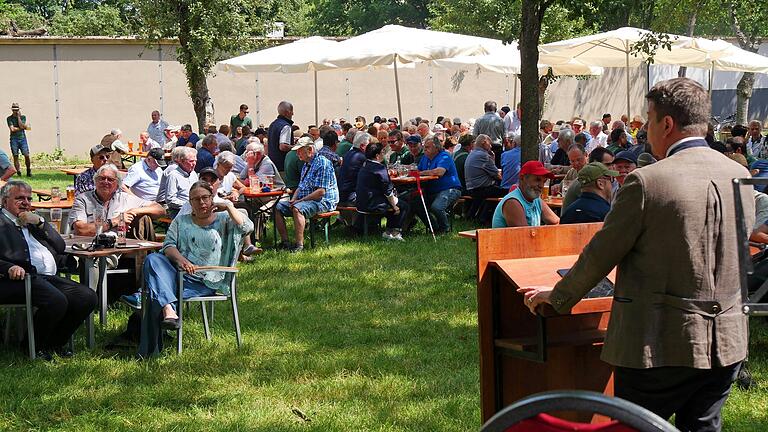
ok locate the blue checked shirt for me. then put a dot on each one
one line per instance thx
(319, 174)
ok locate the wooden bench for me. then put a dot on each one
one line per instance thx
(321, 221)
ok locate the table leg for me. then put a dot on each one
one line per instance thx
(87, 265)
(102, 291)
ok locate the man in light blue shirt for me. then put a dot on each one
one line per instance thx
(156, 128)
(143, 179)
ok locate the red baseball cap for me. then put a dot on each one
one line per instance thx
(536, 168)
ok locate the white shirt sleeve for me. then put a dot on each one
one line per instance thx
(285, 135)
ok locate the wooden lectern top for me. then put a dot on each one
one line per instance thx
(543, 272)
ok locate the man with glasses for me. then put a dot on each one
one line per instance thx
(596, 182)
(103, 206)
(28, 245)
(99, 156)
(240, 119)
(397, 145)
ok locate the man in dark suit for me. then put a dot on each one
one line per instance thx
(676, 336)
(29, 245)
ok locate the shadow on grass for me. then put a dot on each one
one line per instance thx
(356, 336)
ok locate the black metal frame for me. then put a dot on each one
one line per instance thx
(749, 305)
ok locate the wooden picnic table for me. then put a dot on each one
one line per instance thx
(471, 234)
(408, 180)
(89, 257)
(248, 193)
(554, 202)
(63, 204)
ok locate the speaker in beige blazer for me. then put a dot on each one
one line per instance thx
(671, 233)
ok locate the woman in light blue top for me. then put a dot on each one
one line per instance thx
(523, 206)
(210, 236)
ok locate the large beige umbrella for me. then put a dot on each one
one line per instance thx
(295, 57)
(614, 49)
(395, 45)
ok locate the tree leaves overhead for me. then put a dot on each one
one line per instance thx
(352, 17)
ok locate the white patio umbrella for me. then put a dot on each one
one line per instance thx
(295, 57)
(506, 60)
(614, 49)
(397, 45)
(734, 59)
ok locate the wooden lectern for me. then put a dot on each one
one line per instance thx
(521, 353)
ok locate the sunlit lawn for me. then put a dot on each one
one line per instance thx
(357, 336)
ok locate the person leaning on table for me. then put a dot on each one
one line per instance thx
(206, 237)
(676, 336)
(29, 245)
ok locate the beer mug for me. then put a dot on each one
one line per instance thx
(55, 195)
(56, 218)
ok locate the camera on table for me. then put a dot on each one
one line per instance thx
(105, 240)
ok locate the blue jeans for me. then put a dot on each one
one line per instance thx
(160, 280)
(306, 208)
(438, 204)
(19, 144)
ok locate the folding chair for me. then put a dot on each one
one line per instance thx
(29, 312)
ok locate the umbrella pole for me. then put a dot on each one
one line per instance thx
(629, 115)
(424, 203)
(397, 91)
(711, 75)
(316, 117)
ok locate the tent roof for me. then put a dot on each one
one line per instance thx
(295, 57)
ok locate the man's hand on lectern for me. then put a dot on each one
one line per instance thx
(534, 296)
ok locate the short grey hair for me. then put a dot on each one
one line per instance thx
(177, 153)
(208, 140)
(360, 139)
(226, 157)
(482, 138)
(12, 184)
(566, 137)
(227, 146)
(110, 167)
(185, 152)
(595, 124)
(255, 146)
(350, 136)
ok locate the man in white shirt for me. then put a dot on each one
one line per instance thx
(143, 179)
(599, 138)
(28, 245)
(157, 127)
(757, 144)
(146, 143)
(512, 121)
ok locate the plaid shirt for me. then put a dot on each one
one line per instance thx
(319, 174)
(330, 155)
(84, 181)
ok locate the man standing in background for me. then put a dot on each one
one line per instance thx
(17, 123)
(156, 129)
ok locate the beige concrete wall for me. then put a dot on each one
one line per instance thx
(103, 85)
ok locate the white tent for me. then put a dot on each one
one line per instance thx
(614, 49)
(506, 60)
(734, 59)
(397, 45)
(295, 57)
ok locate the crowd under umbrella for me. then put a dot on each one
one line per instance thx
(296, 57)
(616, 49)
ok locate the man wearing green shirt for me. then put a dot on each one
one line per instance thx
(415, 150)
(397, 144)
(293, 166)
(240, 119)
(17, 123)
(460, 157)
(346, 143)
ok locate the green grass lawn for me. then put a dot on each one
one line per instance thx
(357, 336)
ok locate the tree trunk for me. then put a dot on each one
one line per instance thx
(530, 31)
(691, 26)
(196, 77)
(743, 94)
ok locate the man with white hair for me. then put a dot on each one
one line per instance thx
(280, 135)
(262, 165)
(564, 142)
(146, 143)
(175, 192)
(599, 138)
(28, 245)
(757, 144)
(353, 161)
(240, 164)
(156, 129)
(109, 200)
